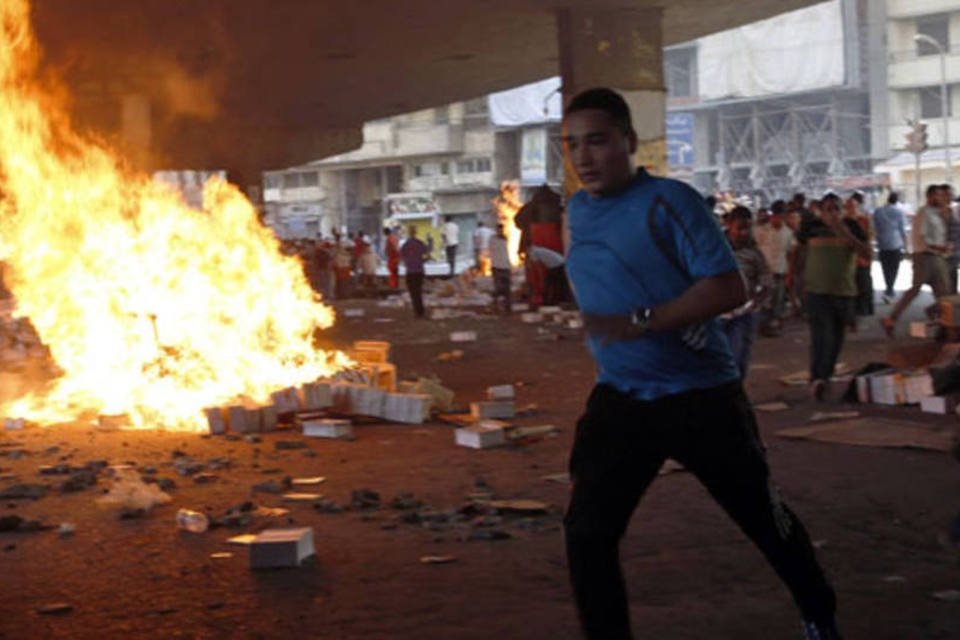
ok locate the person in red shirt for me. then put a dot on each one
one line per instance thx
(393, 257)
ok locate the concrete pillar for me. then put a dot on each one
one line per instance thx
(621, 49)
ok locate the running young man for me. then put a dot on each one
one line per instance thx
(651, 271)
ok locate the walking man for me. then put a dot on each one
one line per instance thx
(413, 253)
(889, 225)
(451, 240)
(775, 240)
(651, 270)
(833, 244)
(930, 250)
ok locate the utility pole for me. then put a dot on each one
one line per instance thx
(944, 103)
(917, 144)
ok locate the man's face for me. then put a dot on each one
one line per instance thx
(599, 151)
(776, 220)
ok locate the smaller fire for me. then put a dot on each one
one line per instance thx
(508, 204)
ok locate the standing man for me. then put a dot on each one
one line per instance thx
(392, 249)
(951, 213)
(775, 241)
(413, 253)
(451, 240)
(929, 234)
(651, 271)
(889, 225)
(833, 243)
(500, 265)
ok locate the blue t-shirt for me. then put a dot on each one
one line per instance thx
(628, 251)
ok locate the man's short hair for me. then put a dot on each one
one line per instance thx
(740, 212)
(932, 189)
(798, 199)
(778, 207)
(857, 196)
(606, 100)
(893, 198)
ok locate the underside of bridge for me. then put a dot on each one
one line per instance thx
(253, 84)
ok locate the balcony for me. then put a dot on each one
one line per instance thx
(907, 69)
(897, 9)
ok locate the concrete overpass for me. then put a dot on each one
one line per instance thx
(253, 84)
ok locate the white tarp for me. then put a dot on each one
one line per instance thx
(796, 51)
(534, 103)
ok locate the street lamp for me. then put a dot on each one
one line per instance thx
(922, 37)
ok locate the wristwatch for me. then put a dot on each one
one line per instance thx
(640, 318)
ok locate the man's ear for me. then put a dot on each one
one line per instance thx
(632, 141)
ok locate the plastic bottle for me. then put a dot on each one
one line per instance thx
(192, 521)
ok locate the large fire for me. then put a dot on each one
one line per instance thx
(508, 204)
(149, 308)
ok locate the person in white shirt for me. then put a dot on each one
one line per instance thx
(500, 264)
(776, 241)
(451, 239)
(930, 251)
(481, 246)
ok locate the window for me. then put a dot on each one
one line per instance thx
(476, 108)
(291, 180)
(938, 28)
(271, 181)
(310, 179)
(473, 165)
(441, 115)
(427, 169)
(679, 67)
(445, 168)
(931, 104)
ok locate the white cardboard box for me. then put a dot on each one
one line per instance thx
(410, 408)
(887, 388)
(463, 336)
(15, 424)
(275, 548)
(268, 418)
(923, 329)
(315, 395)
(477, 437)
(216, 424)
(940, 404)
(286, 400)
(501, 392)
(916, 387)
(327, 428)
(239, 420)
(498, 409)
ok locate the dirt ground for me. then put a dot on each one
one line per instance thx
(878, 516)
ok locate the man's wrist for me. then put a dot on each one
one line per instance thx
(640, 321)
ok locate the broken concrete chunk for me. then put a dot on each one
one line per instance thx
(24, 491)
(286, 445)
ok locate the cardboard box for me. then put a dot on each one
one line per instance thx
(16, 424)
(274, 548)
(354, 313)
(940, 404)
(216, 423)
(463, 336)
(887, 388)
(550, 309)
(360, 399)
(497, 409)
(382, 375)
(923, 329)
(327, 428)
(442, 396)
(286, 400)
(916, 387)
(268, 418)
(239, 420)
(477, 437)
(315, 395)
(531, 317)
(501, 392)
(409, 408)
(575, 323)
(371, 351)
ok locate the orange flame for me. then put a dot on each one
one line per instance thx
(149, 308)
(508, 204)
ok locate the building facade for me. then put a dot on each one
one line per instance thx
(776, 107)
(921, 35)
(416, 168)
